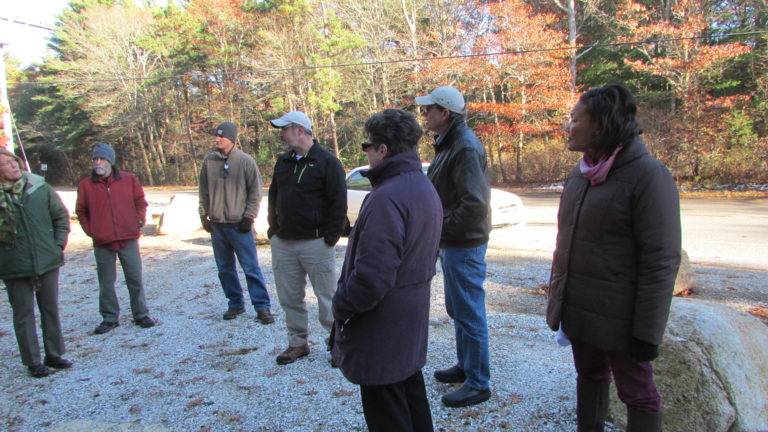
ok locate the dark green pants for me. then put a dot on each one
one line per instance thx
(22, 295)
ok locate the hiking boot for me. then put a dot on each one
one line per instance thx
(105, 327)
(264, 316)
(38, 371)
(145, 322)
(292, 354)
(232, 313)
(57, 362)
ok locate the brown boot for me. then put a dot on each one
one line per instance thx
(292, 354)
(643, 421)
(591, 405)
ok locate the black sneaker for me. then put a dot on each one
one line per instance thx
(145, 322)
(453, 374)
(105, 327)
(466, 396)
(38, 371)
(232, 313)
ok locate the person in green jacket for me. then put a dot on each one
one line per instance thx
(34, 225)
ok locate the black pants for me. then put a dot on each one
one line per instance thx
(398, 407)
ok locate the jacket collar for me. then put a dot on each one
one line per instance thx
(312, 153)
(635, 149)
(443, 140)
(114, 175)
(395, 165)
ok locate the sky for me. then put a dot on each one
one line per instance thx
(26, 43)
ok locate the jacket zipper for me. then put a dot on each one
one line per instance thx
(301, 174)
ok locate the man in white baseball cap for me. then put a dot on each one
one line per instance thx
(293, 117)
(447, 97)
(307, 212)
(458, 174)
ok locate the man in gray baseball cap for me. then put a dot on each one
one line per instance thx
(463, 242)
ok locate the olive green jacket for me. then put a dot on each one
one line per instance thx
(42, 229)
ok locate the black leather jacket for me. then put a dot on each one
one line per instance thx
(458, 173)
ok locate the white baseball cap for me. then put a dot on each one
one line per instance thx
(293, 117)
(447, 97)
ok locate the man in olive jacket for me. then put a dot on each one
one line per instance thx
(34, 225)
(230, 194)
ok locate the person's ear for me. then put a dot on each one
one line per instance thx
(384, 150)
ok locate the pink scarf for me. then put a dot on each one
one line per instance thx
(597, 172)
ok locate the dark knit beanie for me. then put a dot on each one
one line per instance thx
(227, 130)
(104, 151)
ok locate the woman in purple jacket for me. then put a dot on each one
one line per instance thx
(381, 306)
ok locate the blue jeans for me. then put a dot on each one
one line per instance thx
(227, 242)
(464, 273)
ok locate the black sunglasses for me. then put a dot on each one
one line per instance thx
(366, 145)
(426, 108)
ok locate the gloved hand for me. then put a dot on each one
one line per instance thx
(245, 225)
(206, 223)
(642, 351)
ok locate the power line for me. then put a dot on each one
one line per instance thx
(385, 62)
(38, 26)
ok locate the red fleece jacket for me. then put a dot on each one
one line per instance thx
(111, 209)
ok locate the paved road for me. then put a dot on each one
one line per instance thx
(716, 232)
(729, 233)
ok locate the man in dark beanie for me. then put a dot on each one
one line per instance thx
(230, 194)
(112, 209)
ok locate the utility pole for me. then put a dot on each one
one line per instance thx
(5, 107)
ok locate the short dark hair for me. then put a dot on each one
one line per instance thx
(396, 128)
(613, 107)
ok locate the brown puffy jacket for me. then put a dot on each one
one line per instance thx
(617, 254)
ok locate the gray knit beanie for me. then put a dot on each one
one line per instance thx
(227, 130)
(104, 151)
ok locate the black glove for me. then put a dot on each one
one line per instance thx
(245, 225)
(206, 223)
(642, 351)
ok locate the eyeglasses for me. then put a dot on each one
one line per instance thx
(225, 170)
(366, 145)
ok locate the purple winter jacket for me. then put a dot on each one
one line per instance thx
(381, 306)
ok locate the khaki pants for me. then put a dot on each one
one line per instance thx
(292, 262)
(21, 295)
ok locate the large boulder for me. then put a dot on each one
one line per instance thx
(686, 277)
(180, 215)
(712, 372)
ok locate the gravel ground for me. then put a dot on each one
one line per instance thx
(196, 372)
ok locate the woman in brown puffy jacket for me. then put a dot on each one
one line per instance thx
(617, 255)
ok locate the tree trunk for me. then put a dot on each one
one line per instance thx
(144, 159)
(332, 118)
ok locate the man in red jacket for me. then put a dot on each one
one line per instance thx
(112, 209)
